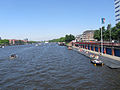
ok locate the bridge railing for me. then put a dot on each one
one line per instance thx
(99, 43)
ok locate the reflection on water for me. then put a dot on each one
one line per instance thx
(50, 66)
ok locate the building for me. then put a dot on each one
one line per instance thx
(78, 38)
(117, 10)
(87, 36)
(17, 42)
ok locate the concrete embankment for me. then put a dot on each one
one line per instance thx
(110, 61)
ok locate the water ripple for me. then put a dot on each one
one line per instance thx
(49, 67)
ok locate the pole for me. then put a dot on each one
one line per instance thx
(110, 35)
(101, 42)
(103, 21)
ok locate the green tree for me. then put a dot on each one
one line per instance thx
(118, 34)
(115, 32)
(62, 39)
(109, 27)
(106, 35)
(4, 42)
(66, 39)
(118, 25)
(69, 38)
(97, 35)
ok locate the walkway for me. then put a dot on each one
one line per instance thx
(110, 61)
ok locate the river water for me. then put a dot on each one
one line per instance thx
(52, 67)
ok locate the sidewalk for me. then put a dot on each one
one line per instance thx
(110, 61)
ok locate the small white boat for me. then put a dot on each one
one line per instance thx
(46, 42)
(3, 46)
(97, 62)
(36, 45)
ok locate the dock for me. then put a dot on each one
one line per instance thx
(112, 62)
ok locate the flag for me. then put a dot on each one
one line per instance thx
(103, 20)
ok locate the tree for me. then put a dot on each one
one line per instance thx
(4, 42)
(66, 39)
(62, 39)
(69, 38)
(107, 35)
(118, 25)
(118, 34)
(97, 35)
(109, 27)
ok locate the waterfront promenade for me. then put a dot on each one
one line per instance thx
(109, 60)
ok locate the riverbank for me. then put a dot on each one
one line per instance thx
(110, 61)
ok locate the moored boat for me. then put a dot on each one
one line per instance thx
(61, 44)
(69, 48)
(2, 46)
(96, 62)
(36, 45)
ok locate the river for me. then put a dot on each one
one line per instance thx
(51, 67)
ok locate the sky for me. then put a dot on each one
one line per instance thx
(49, 19)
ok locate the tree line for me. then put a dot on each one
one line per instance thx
(4, 42)
(67, 39)
(111, 33)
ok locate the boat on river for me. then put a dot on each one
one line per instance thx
(96, 62)
(69, 48)
(36, 45)
(13, 56)
(61, 44)
(2, 46)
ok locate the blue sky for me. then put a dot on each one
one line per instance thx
(48, 19)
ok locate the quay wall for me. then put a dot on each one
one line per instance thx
(110, 49)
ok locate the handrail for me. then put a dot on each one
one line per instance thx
(98, 43)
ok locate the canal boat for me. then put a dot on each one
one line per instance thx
(96, 62)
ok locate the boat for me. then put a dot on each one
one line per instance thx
(96, 62)
(46, 42)
(36, 45)
(3, 46)
(69, 48)
(13, 56)
(61, 44)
